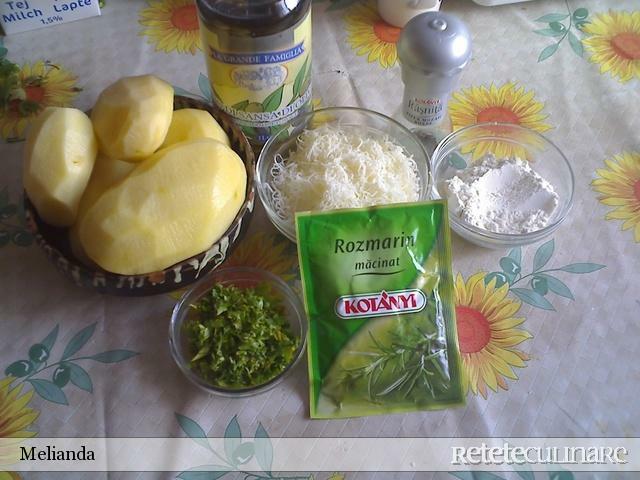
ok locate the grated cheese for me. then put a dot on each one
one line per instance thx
(342, 167)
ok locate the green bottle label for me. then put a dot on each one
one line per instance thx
(263, 84)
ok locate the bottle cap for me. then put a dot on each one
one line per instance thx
(435, 43)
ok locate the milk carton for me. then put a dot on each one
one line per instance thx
(23, 15)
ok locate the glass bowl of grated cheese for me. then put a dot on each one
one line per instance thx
(506, 185)
(339, 157)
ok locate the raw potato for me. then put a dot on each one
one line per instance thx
(59, 156)
(106, 173)
(193, 124)
(174, 205)
(132, 116)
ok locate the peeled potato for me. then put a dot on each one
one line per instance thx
(193, 124)
(59, 156)
(132, 116)
(174, 205)
(106, 173)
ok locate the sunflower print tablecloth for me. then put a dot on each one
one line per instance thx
(548, 333)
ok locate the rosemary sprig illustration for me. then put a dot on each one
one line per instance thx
(412, 362)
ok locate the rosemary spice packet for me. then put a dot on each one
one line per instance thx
(378, 290)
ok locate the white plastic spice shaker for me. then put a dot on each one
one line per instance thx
(433, 49)
(399, 12)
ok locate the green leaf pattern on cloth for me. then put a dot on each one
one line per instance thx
(66, 370)
(560, 26)
(541, 281)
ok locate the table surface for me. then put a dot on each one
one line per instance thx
(564, 363)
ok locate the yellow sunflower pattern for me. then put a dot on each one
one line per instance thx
(265, 251)
(614, 43)
(619, 187)
(508, 103)
(487, 334)
(9, 476)
(15, 418)
(41, 84)
(171, 25)
(370, 35)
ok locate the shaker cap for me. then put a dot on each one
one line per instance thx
(435, 42)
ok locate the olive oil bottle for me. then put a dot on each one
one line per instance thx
(258, 55)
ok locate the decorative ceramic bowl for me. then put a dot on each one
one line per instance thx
(55, 241)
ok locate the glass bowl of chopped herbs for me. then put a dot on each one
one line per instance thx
(238, 332)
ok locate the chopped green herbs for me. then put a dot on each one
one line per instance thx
(239, 337)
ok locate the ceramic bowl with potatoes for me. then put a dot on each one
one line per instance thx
(143, 195)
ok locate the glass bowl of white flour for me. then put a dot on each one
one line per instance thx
(506, 184)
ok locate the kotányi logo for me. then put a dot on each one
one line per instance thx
(383, 303)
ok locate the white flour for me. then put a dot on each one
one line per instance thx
(502, 196)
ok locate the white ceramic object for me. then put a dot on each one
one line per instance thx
(493, 3)
(399, 12)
